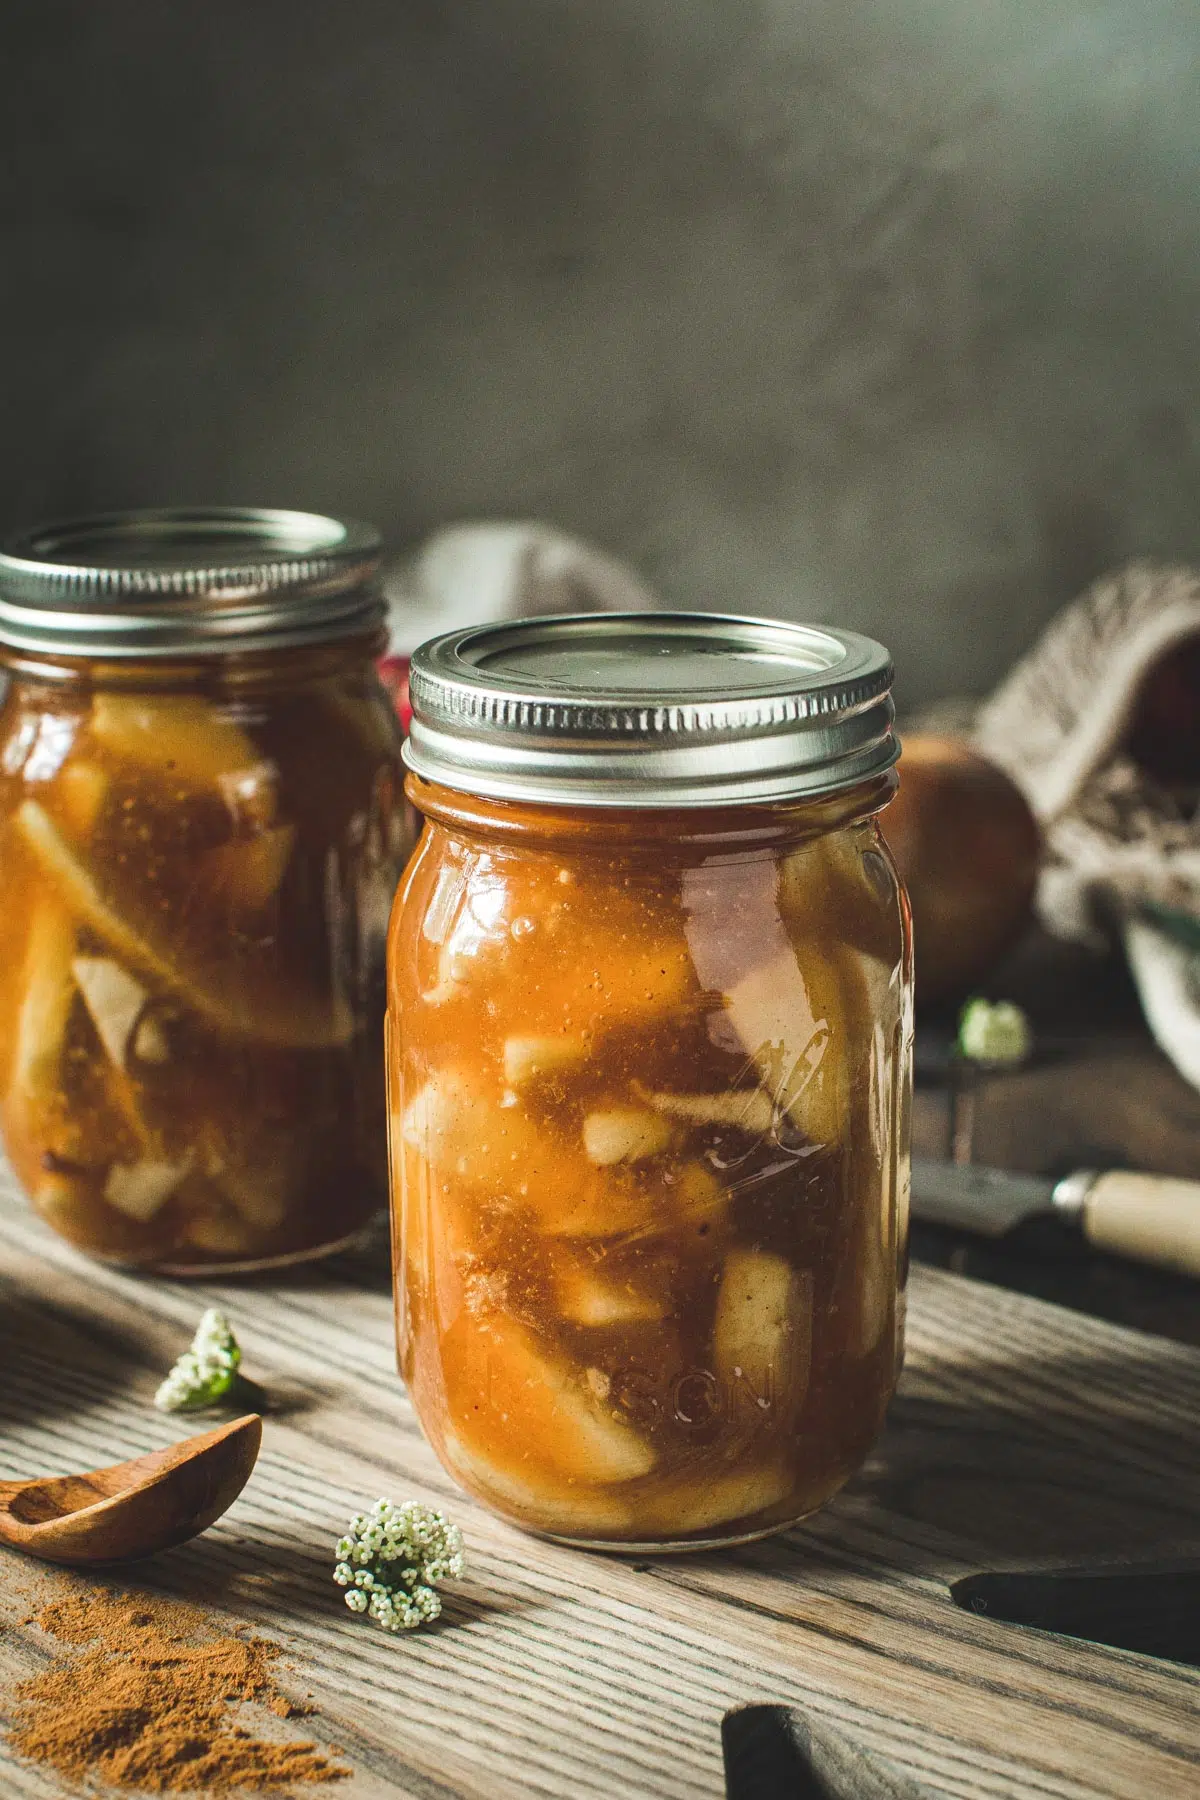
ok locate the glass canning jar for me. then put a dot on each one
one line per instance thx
(649, 1048)
(202, 825)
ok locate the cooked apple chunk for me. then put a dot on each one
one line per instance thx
(528, 1058)
(179, 737)
(741, 1109)
(47, 995)
(459, 1124)
(149, 1043)
(229, 999)
(704, 1501)
(115, 1002)
(763, 1331)
(587, 1296)
(844, 877)
(61, 1200)
(82, 790)
(629, 1204)
(698, 1195)
(512, 1401)
(607, 1205)
(536, 1501)
(791, 1018)
(625, 1134)
(247, 872)
(469, 1139)
(140, 1190)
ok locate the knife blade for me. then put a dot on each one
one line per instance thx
(1149, 1218)
(1153, 1608)
(967, 1197)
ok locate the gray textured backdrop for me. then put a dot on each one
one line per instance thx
(876, 310)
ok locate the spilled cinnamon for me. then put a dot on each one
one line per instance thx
(146, 1699)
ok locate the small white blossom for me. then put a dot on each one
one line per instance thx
(392, 1559)
(206, 1371)
(994, 1032)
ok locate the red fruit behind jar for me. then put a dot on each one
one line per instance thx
(393, 672)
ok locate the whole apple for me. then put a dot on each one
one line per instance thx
(968, 848)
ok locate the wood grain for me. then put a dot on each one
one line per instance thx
(1020, 1431)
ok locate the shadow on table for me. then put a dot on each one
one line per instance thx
(975, 1481)
(272, 1583)
(365, 1265)
(1063, 1458)
(1011, 1490)
(50, 1351)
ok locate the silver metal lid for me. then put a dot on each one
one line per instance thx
(187, 579)
(650, 709)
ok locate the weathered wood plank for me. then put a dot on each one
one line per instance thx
(1020, 1430)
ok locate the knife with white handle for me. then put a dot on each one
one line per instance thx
(1149, 1218)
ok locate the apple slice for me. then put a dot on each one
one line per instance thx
(533, 1499)
(62, 1200)
(247, 872)
(217, 1229)
(698, 1196)
(115, 1002)
(622, 1205)
(142, 1189)
(81, 790)
(625, 1134)
(181, 738)
(47, 995)
(256, 1181)
(703, 1501)
(512, 1401)
(741, 1109)
(792, 1015)
(762, 1338)
(609, 1204)
(234, 999)
(843, 887)
(585, 1296)
(458, 1122)
(472, 1141)
(528, 1059)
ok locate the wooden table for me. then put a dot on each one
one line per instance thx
(1020, 1430)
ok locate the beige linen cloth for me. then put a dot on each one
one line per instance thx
(1122, 852)
(474, 574)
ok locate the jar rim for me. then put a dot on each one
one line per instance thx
(161, 581)
(653, 709)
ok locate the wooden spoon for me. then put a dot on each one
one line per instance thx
(133, 1508)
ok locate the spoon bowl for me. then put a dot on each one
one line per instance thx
(131, 1509)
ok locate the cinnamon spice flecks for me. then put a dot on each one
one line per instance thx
(146, 1702)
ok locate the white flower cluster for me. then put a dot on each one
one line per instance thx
(393, 1558)
(206, 1371)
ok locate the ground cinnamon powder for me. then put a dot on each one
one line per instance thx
(145, 1701)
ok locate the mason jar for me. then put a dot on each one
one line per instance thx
(649, 1046)
(202, 825)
